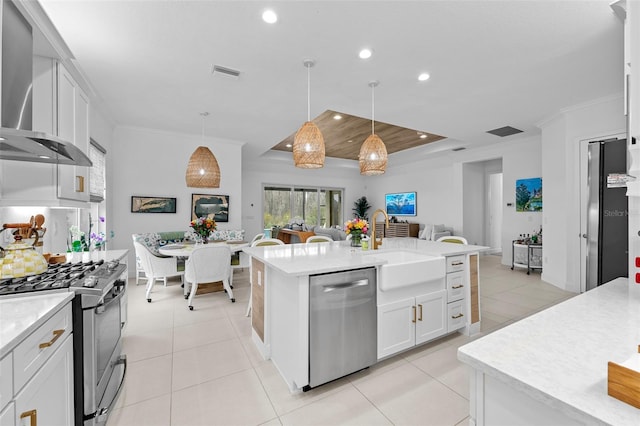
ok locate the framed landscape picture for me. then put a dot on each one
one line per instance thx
(152, 204)
(215, 207)
(529, 195)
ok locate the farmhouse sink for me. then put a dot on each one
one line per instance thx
(405, 268)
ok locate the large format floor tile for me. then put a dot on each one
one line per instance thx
(201, 367)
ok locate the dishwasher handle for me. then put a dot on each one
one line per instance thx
(344, 286)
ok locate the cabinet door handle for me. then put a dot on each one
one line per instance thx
(457, 316)
(420, 317)
(414, 314)
(457, 263)
(33, 417)
(79, 183)
(457, 286)
(56, 336)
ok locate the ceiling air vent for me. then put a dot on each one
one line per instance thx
(225, 72)
(505, 131)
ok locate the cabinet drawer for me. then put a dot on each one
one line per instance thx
(456, 317)
(455, 286)
(6, 384)
(456, 263)
(8, 416)
(36, 349)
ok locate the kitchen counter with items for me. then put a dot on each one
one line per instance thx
(551, 368)
(393, 299)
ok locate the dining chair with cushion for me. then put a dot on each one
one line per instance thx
(452, 239)
(208, 264)
(257, 237)
(260, 242)
(319, 239)
(155, 267)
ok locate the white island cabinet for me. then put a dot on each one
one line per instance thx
(36, 360)
(551, 368)
(406, 316)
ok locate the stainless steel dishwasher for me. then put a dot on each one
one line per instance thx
(342, 324)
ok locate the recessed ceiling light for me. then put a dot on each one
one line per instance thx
(288, 145)
(423, 77)
(423, 136)
(269, 16)
(365, 53)
(337, 117)
(350, 141)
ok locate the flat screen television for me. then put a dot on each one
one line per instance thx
(400, 204)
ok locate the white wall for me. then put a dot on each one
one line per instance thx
(281, 171)
(561, 166)
(153, 163)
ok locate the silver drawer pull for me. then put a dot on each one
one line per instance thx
(457, 316)
(56, 336)
(457, 286)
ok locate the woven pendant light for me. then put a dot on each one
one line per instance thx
(203, 170)
(373, 152)
(308, 144)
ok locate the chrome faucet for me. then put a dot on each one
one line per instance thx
(375, 243)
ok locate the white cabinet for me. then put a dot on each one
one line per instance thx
(73, 126)
(408, 322)
(39, 374)
(457, 289)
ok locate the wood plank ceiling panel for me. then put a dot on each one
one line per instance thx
(343, 138)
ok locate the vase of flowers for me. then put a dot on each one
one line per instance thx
(203, 226)
(356, 227)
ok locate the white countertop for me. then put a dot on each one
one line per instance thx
(19, 316)
(559, 356)
(318, 258)
(96, 255)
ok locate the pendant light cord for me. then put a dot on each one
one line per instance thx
(373, 102)
(308, 93)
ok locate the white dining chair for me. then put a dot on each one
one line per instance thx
(154, 267)
(207, 264)
(319, 239)
(452, 239)
(260, 242)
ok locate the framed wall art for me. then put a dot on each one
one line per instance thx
(215, 207)
(152, 204)
(529, 195)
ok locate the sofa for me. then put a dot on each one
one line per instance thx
(336, 234)
(433, 232)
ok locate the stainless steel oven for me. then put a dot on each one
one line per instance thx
(99, 365)
(104, 365)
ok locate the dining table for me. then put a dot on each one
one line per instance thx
(186, 248)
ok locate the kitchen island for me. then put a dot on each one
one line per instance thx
(281, 277)
(551, 368)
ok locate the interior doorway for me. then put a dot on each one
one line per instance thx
(494, 213)
(482, 203)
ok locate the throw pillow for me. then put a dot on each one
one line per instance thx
(437, 229)
(426, 232)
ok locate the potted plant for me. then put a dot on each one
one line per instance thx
(361, 206)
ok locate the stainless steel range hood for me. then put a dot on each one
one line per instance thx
(17, 139)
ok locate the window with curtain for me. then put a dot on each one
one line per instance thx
(97, 174)
(316, 206)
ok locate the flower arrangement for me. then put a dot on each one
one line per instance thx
(203, 226)
(356, 227)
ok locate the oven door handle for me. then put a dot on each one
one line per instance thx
(102, 306)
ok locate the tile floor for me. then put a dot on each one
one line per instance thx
(200, 367)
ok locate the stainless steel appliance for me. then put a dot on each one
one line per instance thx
(99, 365)
(608, 214)
(17, 140)
(342, 324)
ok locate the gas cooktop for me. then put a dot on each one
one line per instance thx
(63, 275)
